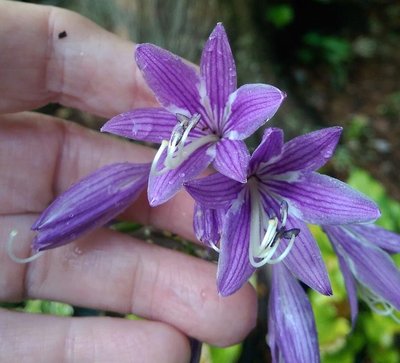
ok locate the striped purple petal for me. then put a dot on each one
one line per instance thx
(147, 124)
(320, 199)
(369, 264)
(307, 152)
(163, 187)
(207, 224)
(350, 283)
(378, 236)
(269, 148)
(305, 260)
(292, 334)
(234, 267)
(217, 68)
(174, 82)
(232, 159)
(249, 108)
(90, 203)
(214, 191)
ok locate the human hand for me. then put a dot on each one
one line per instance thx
(40, 157)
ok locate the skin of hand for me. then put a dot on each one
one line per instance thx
(41, 156)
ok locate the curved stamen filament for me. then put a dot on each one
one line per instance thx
(215, 247)
(153, 170)
(266, 236)
(177, 151)
(11, 253)
(269, 234)
(377, 304)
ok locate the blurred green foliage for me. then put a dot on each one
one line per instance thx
(126, 227)
(225, 355)
(391, 106)
(330, 50)
(362, 181)
(41, 307)
(280, 15)
(334, 50)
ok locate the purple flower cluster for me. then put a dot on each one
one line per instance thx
(254, 209)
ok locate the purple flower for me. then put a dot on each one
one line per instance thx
(282, 194)
(365, 264)
(292, 334)
(204, 118)
(90, 203)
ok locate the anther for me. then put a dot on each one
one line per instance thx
(11, 253)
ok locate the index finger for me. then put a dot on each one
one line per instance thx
(54, 55)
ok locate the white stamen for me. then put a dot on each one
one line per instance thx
(265, 237)
(163, 146)
(269, 234)
(11, 253)
(377, 304)
(214, 247)
(177, 151)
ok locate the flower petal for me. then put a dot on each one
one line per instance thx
(378, 236)
(305, 259)
(349, 282)
(269, 148)
(234, 267)
(369, 264)
(320, 199)
(217, 68)
(250, 107)
(214, 191)
(207, 224)
(307, 152)
(147, 124)
(90, 203)
(294, 337)
(163, 187)
(232, 159)
(175, 83)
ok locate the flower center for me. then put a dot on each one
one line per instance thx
(378, 304)
(266, 234)
(178, 149)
